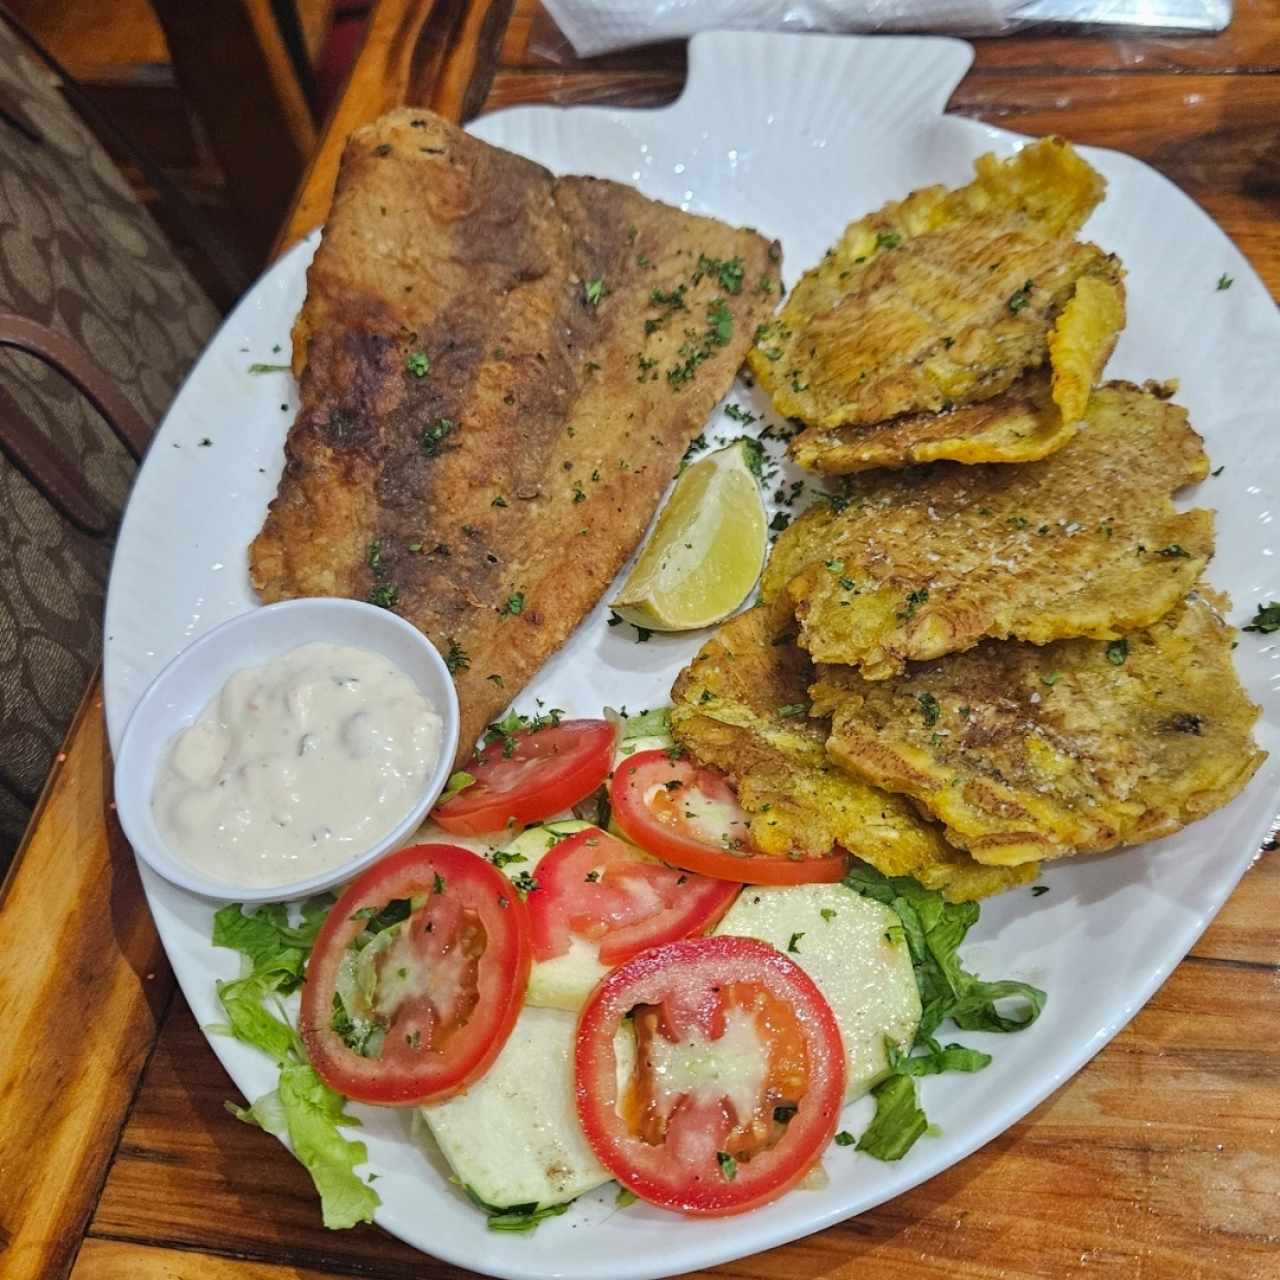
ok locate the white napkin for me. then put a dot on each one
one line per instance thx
(596, 26)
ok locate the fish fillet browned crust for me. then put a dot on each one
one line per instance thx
(500, 371)
(948, 297)
(1083, 543)
(741, 706)
(1028, 752)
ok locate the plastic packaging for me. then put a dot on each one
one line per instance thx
(598, 26)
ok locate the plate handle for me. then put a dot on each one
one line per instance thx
(845, 81)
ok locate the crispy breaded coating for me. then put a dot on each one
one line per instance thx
(1026, 752)
(1084, 543)
(741, 705)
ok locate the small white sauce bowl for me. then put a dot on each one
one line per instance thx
(176, 697)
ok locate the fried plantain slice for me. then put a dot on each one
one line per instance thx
(915, 565)
(1027, 752)
(740, 707)
(1021, 424)
(948, 297)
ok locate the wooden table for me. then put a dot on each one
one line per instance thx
(1161, 1159)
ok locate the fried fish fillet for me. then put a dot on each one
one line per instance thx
(500, 370)
(1085, 543)
(948, 297)
(1021, 424)
(1027, 752)
(740, 707)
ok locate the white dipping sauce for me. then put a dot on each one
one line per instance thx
(297, 766)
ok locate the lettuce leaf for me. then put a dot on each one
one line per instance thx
(898, 1123)
(302, 1108)
(934, 929)
(312, 1113)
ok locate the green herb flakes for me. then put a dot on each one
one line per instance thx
(1266, 619)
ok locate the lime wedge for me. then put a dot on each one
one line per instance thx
(706, 550)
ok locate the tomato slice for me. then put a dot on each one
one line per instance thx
(607, 892)
(529, 775)
(416, 977)
(689, 815)
(739, 1075)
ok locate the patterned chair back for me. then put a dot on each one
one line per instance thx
(102, 322)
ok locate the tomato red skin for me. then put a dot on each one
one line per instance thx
(647, 979)
(550, 770)
(638, 824)
(701, 899)
(502, 979)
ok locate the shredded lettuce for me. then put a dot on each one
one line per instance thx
(934, 929)
(654, 723)
(302, 1108)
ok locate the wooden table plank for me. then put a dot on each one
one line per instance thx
(118, 1260)
(83, 985)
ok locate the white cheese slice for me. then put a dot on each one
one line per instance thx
(855, 953)
(513, 1137)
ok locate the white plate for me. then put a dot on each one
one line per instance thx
(794, 135)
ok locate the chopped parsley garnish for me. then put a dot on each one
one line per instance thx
(374, 555)
(579, 493)
(888, 239)
(1038, 889)
(499, 501)
(1267, 618)
(728, 271)
(513, 605)
(642, 634)
(914, 600)
(456, 659)
(525, 884)
(593, 291)
(501, 859)
(1174, 552)
(268, 368)
(1118, 651)
(1225, 281)
(516, 1217)
(1022, 297)
(828, 914)
(437, 883)
(780, 521)
(728, 1165)
(929, 709)
(739, 414)
(384, 595)
(1051, 679)
(793, 943)
(844, 1138)
(418, 364)
(720, 318)
(435, 435)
